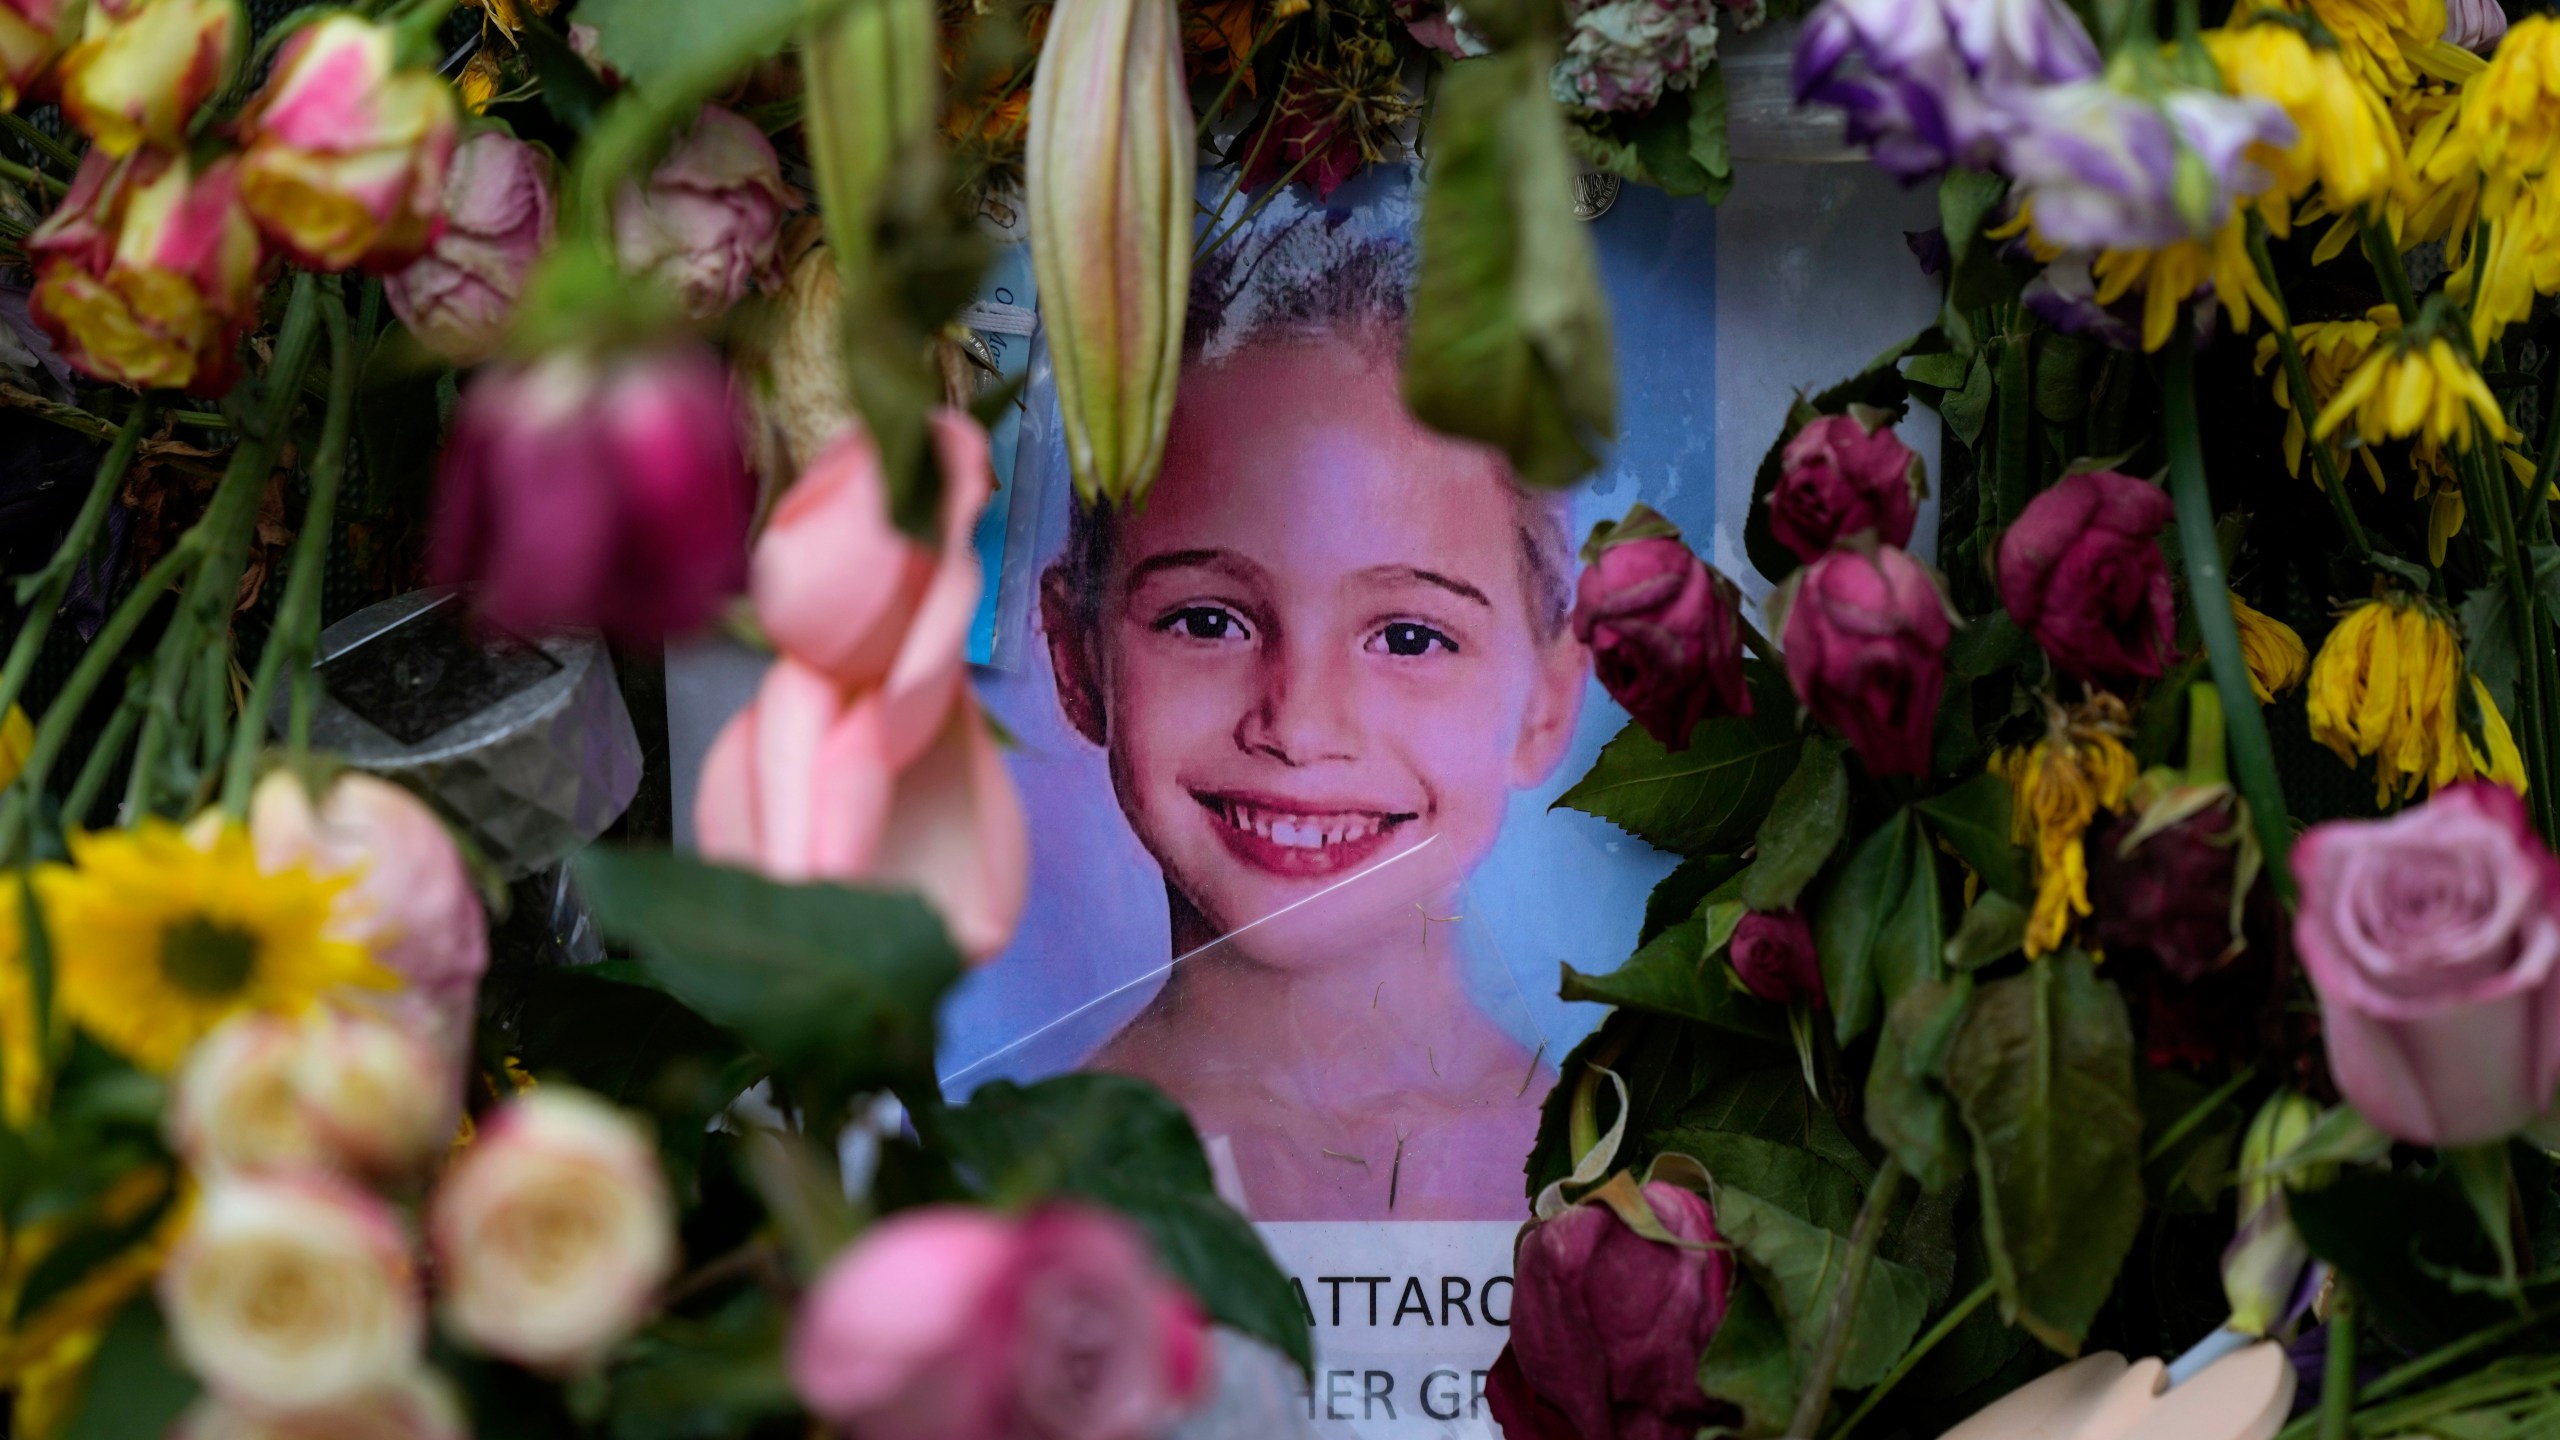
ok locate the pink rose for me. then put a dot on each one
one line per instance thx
(412, 902)
(143, 68)
(1775, 957)
(1840, 479)
(147, 272)
(32, 34)
(606, 492)
(862, 757)
(1866, 640)
(347, 149)
(1608, 1326)
(418, 1406)
(1665, 634)
(336, 1090)
(458, 297)
(711, 215)
(951, 1323)
(2081, 569)
(2432, 939)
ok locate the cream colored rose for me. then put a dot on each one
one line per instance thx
(554, 1231)
(418, 1406)
(341, 1090)
(289, 1294)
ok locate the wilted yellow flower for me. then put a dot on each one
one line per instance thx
(2509, 125)
(2382, 41)
(2057, 786)
(17, 739)
(2414, 387)
(508, 15)
(46, 1359)
(2346, 140)
(479, 80)
(2521, 261)
(2275, 654)
(157, 938)
(2434, 202)
(2171, 274)
(2388, 683)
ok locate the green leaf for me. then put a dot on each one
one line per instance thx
(652, 40)
(1943, 371)
(2042, 1070)
(2394, 1237)
(135, 1387)
(1802, 828)
(2546, 580)
(1806, 1185)
(1993, 929)
(1801, 1265)
(571, 89)
(1749, 1363)
(1680, 893)
(1973, 819)
(1773, 1105)
(2489, 644)
(688, 1379)
(836, 988)
(1992, 643)
(1707, 799)
(1966, 198)
(1671, 975)
(1878, 927)
(1120, 1142)
(1510, 333)
(1677, 145)
(2062, 377)
(1669, 1065)
(1968, 409)
(1908, 1111)
(2486, 1174)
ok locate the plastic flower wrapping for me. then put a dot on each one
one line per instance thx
(2127, 902)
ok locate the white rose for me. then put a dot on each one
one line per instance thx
(554, 1231)
(289, 1294)
(338, 1090)
(417, 1406)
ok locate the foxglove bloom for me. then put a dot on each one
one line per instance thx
(2081, 570)
(1625, 54)
(458, 297)
(32, 34)
(142, 68)
(604, 492)
(1866, 636)
(347, 150)
(2107, 169)
(147, 272)
(710, 218)
(1933, 83)
(1665, 631)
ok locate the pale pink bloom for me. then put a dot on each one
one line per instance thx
(458, 297)
(554, 1231)
(352, 1093)
(142, 68)
(347, 150)
(952, 1323)
(147, 272)
(710, 218)
(419, 1405)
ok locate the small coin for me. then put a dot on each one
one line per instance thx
(1594, 191)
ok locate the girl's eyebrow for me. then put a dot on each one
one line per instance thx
(1226, 561)
(1449, 583)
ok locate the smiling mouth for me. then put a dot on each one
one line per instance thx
(1298, 842)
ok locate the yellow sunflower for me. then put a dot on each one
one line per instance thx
(157, 938)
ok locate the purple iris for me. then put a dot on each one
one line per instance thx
(1930, 83)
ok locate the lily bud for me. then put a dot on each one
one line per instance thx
(32, 33)
(2264, 1262)
(347, 152)
(148, 271)
(1109, 165)
(144, 67)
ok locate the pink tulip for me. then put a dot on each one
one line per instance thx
(32, 33)
(862, 757)
(147, 272)
(347, 151)
(143, 68)
(951, 1323)
(710, 219)
(606, 492)
(1866, 643)
(2433, 938)
(458, 297)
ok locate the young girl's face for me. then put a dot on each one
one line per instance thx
(1317, 645)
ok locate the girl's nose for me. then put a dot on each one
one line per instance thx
(1304, 712)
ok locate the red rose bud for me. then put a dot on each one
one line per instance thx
(1866, 640)
(1774, 955)
(2082, 571)
(147, 272)
(347, 150)
(597, 492)
(2169, 896)
(1607, 1326)
(1665, 631)
(1841, 478)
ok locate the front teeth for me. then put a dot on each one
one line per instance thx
(1303, 832)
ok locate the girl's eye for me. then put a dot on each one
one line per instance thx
(1205, 622)
(1407, 637)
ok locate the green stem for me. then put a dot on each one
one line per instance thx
(2016, 400)
(24, 175)
(2387, 268)
(2208, 589)
(1864, 1236)
(297, 623)
(1918, 1352)
(2297, 378)
(2533, 705)
(2338, 1382)
(83, 795)
(42, 592)
(2205, 740)
(1260, 203)
(58, 152)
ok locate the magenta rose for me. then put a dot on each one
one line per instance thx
(709, 222)
(1665, 633)
(1866, 640)
(2432, 939)
(1607, 1326)
(1841, 478)
(2081, 569)
(1774, 955)
(949, 1322)
(458, 297)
